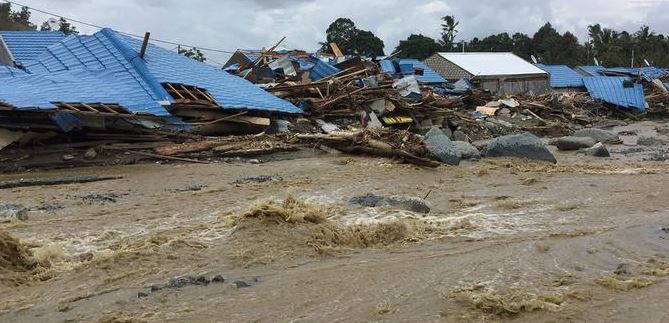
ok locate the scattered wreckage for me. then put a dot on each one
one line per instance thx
(108, 98)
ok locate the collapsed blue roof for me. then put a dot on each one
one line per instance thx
(613, 90)
(562, 76)
(106, 68)
(407, 67)
(591, 70)
(27, 45)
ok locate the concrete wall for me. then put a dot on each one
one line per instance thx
(5, 54)
(511, 85)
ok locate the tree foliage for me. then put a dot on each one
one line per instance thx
(448, 32)
(63, 26)
(417, 46)
(15, 20)
(193, 53)
(351, 40)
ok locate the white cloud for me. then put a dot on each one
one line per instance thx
(232, 24)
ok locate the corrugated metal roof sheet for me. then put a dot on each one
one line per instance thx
(321, 69)
(591, 70)
(492, 64)
(38, 91)
(429, 75)
(27, 45)
(408, 67)
(612, 90)
(562, 76)
(8, 71)
(230, 91)
(387, 66)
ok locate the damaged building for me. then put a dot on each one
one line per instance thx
(108, 81)
(500, 73)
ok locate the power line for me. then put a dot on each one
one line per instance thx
(120, 32)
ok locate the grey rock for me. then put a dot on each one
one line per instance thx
(459, 136)
(482, 145)
(467, 150)
(369, 200)
(13, 211)
(327, 127)
(504, 112)
(241, 284)
(413, 204)
(283, 126)
(68, 157)
(218, 279)
(142, 294)
(525, 145)
(603, 136)
(598, 150)
(505, 124)
(441, 147)
(574, 143)
(91, 154)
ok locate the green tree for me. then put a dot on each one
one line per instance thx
(351, 40)
(14, 20)
(417, 46)
(448, 32)
(193, 53)
(63, 26)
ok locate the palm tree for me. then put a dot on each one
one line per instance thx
(449, 31)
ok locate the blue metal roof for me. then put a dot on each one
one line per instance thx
(231, 92)
(591, 70)
(106, 68)
(8, 71)
(387, 66)
(27, 45)
(612, 90)
(321, 69)
(562, 76)
(38, 91)
(408, 67)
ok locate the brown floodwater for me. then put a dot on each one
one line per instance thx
(507, 240)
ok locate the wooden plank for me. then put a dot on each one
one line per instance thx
(188, 92)
(108, 109)
(89, 107)
(335, 50)
(171, 88)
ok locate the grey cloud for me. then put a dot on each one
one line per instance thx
(232, 24)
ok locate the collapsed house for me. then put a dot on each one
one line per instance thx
(563, 78)
(110, 82)
(500, 73)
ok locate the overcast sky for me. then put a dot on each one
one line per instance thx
(232, 24)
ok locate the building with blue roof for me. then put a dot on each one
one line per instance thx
(563, 77)
(25, 46)
(616, 90)
(105, 68)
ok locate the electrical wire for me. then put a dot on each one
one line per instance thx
(121, 32)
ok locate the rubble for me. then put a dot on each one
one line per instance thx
(292, 100)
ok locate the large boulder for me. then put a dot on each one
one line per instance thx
(525, 145)
(442, 148)
(409, 203)
(574, 143)
(467, 151)
(9, 212)
(599, 135)
(598, 150)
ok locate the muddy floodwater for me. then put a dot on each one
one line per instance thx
(586, 240)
